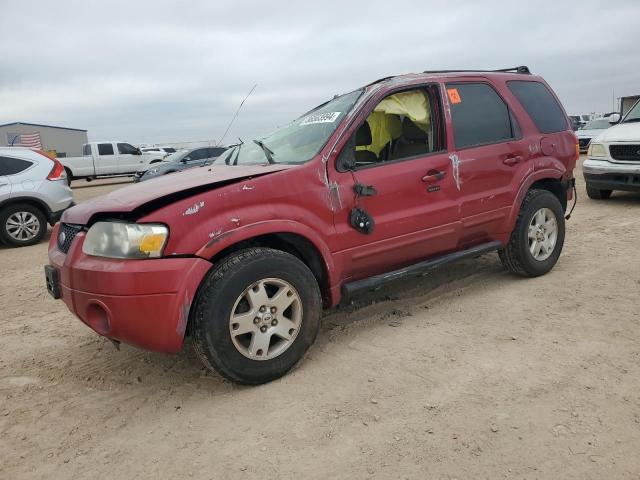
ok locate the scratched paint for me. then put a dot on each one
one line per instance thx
(215, 234)
(455, 166)
(193, 209)
(247, 187)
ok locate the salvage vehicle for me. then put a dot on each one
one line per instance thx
(390, 180)
(164, 152)
(33, 192)
(613, 158)
(592, 129)
(197, 157)
(108, 159)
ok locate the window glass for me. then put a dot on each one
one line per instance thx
(105, 149)
(11, 166)
(478, 114)
(198, 154)
(541, 106)
(215, 152)
(299, 141)
(126, 149)
(403, 125)
(170, 150)
(86, 149)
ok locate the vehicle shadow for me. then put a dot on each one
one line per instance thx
(97, 362)
(80, 184)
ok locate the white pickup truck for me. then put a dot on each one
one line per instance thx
(108, 159)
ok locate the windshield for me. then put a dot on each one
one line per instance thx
(634, 113)
(297, 142)
(596, 125)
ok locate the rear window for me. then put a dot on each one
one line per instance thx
(86, 150)
(105, 149)
(479, 115)
(170, 150)
(11, 166)
(540, 104)
(216, 151)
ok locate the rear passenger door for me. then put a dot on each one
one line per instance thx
(106, 162)
(490, 154)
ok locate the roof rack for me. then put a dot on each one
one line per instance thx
(523, 69)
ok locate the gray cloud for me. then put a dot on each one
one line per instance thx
(153, 71)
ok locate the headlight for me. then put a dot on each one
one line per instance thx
(596, 150)
(152, 171)
(125, 240)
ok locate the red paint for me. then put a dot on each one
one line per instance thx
(146, 302)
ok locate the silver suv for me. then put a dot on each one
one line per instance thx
(33, 192)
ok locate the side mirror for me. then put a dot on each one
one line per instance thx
(614, 118)
(137, 151)
(185, 159)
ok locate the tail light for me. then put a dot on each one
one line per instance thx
(57, 172)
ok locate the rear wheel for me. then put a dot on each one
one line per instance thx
(255, 315)
(597, 194)
(22, 225)
(538, 237)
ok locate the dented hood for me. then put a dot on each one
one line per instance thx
(175, 185)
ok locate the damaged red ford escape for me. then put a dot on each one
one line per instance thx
(398, 177)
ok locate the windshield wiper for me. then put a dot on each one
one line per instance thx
(267, 151)
(237, 148)
(629, 120)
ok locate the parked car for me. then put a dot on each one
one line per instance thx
(108, 159)
(161, 151)
(613, 158)
(590, 130)
(373, 185)
(576, 121)
(33, 192)
(182, 161)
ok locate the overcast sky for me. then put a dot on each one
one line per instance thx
(165, 71)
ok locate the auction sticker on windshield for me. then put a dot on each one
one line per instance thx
(328, 117)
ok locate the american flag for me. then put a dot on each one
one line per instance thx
(31, 140)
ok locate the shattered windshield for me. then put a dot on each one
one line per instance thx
(297, 142)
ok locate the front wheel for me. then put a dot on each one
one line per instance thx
(538, 237)
(255, 315)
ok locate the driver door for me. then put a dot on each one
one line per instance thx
(410, 192)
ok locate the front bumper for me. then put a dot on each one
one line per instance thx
(604, 175)
(141, 302)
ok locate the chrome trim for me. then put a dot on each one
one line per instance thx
(601, 167)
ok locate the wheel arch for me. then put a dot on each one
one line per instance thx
(547, 179)
(294, 243)
(34, 202)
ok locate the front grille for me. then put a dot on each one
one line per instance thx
(630, 153)
(584, 142)
(66, 234)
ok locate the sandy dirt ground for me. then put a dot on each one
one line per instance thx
(466, 373)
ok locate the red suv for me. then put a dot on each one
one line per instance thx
(400, 176)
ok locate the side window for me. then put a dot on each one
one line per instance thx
(105, 149)
(12, 166)
(403, 125)
(541, 106)
(198, 154)
(126, 149)
(86, 150)
(479, 115)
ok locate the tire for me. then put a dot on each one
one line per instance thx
(226, 291)
(69, 176)
(517, 256)
(597, 194)
(34, 221)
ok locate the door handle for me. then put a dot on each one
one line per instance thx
(433, 176)
(512, 160)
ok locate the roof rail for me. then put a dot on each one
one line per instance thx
(523, 69)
